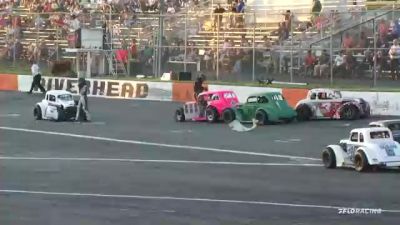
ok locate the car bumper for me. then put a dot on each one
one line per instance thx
(70, 112)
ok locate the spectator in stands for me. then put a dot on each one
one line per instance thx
(133, 49)
(362, 44)
(218, 18)
(16, 26)
(75, 26)
(396, 29)
(309, 63)
(348, 42)
(340, 65)
(323, 64)
(233, 16)
(316, 9)
(380, 62)
(240, 18)
(350, 63)
(383, 29)
(288, 19)
(394, 55)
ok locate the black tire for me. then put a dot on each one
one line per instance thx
(228, 115)
(179, 115)
(37, 113)
(262, 117)
(366, 114)
(329, 158)
(303, 112)
(211, 115)
(361, 162)
(349, 112)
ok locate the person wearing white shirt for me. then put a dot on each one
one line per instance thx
(37, 77)
(394, 55)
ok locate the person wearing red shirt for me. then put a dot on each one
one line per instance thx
(309, 62)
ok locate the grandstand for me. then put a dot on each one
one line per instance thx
(265, 39)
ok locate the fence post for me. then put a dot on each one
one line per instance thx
(217, 46)
(254, 47)
(185, 57)
(331, 60)
(291, 48)
(160, 39)
(374, 58)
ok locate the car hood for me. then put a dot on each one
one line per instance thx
(68, 103)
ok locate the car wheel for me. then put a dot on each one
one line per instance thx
(261, 117)
(361, 162)
(37, 113)
(179, 115)
(211, 115)
(228, 115)
(349, 112)
(329, 158)
(303, 112)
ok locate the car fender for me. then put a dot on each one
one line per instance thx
(42, 107)
(271, 116)
(340, 155)
(371, 155)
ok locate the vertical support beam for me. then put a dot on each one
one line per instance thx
(185, 57)
(217, 46)
(160, 39)
(254, 47)
(375, 53)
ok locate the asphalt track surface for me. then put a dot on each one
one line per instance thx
(135, 165)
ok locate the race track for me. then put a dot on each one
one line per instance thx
(135, 165)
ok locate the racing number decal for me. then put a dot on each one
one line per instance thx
(351, 149)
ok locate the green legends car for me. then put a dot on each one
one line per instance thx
(266, 108)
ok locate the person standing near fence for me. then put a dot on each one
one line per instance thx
(37, 77)
(394, 54)
(83, 100)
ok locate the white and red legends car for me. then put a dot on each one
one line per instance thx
(365, 147)
(327, 103)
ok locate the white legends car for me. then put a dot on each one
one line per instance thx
(365, 148)
(57, 105)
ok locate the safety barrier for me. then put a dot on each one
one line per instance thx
(382, 103)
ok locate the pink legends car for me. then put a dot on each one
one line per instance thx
(209, 106)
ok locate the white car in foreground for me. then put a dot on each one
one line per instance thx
(57, 105)
(365, 148)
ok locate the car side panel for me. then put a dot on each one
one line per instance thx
(191, 110)
(342, 158)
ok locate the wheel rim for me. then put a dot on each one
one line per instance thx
(348, 113)
(326, 158)
(210, 116)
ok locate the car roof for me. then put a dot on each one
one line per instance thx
(385, 122)
(322, 90)
(265, 93)
(370, 129)
(58, 92)
(215, 92)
